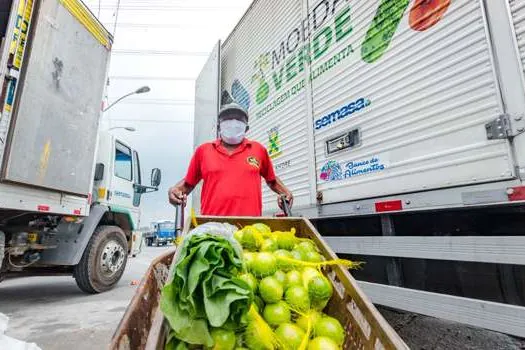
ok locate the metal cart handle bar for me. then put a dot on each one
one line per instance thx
(286, 206)
(179, 219)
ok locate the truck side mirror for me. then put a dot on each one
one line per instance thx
(99, 171)
(156, 176)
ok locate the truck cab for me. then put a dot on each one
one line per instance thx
(93, 248)
(163, 232)
(118, 179)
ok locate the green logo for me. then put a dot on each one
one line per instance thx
(274, 144)
(283, 64)
(259, 78)
(326, 25)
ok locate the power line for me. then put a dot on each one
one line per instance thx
(158, 102)
(137, 77)
(173, 8)
(154, 25)
(161, 53)
(116, 18)
(159, 121)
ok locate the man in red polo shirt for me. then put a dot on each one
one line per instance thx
(231, 168)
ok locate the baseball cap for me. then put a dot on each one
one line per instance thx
(232, 107)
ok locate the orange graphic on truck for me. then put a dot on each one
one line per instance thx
(423, 15)
(426, 13)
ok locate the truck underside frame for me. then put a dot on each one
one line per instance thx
(463, 265)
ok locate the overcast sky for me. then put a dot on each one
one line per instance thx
(162, 44)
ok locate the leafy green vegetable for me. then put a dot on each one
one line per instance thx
(174, 344)
(205, 291)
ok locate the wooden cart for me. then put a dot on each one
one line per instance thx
(143, 325)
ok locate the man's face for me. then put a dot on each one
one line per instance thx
(234, 115)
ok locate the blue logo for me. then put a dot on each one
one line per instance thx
(342, 113)
(334, 171)
(122, 194)
(331, 171)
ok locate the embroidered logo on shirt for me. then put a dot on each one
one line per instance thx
(253, 162)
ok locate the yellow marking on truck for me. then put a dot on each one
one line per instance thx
(102, 193)
(18, 25)
(24, 28)
(44, 161)
(88, 20)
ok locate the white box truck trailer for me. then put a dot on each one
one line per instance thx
(69, 193)
(399, 127)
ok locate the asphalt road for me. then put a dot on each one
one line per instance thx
(56, 315)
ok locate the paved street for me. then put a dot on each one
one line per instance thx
(55, 314)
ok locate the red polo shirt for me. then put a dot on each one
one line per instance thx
(232, 182)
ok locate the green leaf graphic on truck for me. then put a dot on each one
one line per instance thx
(384, 26)
(423, 15)
(326, 25)
(259, 78)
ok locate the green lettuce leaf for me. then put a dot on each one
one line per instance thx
(204, 290)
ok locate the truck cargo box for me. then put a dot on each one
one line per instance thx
(54, 76)
(371, 99)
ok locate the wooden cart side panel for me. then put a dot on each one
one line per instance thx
(136, 325)
(354, 297)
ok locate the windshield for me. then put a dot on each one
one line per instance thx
(167, 226)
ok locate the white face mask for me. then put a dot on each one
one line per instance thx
(232, 131)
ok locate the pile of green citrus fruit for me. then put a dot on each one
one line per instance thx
(290, 291)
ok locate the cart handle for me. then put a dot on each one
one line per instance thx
(179, 219)
(286, 206)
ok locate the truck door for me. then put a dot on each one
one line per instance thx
(137, 179)
(125, 174)
(207, 91)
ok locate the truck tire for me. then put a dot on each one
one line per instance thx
(103, 261)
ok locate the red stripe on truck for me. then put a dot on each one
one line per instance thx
(43, 208)
(389, 206)
(516, 193)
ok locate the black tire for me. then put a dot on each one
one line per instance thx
(93, 273)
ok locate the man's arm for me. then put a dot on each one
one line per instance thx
(178, 194)
(278, 187)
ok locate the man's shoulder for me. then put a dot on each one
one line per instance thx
(205, 146)
(257, 145)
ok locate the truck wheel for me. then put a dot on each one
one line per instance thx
(103, 261)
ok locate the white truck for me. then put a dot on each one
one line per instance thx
(399, 126)
(69, 192)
